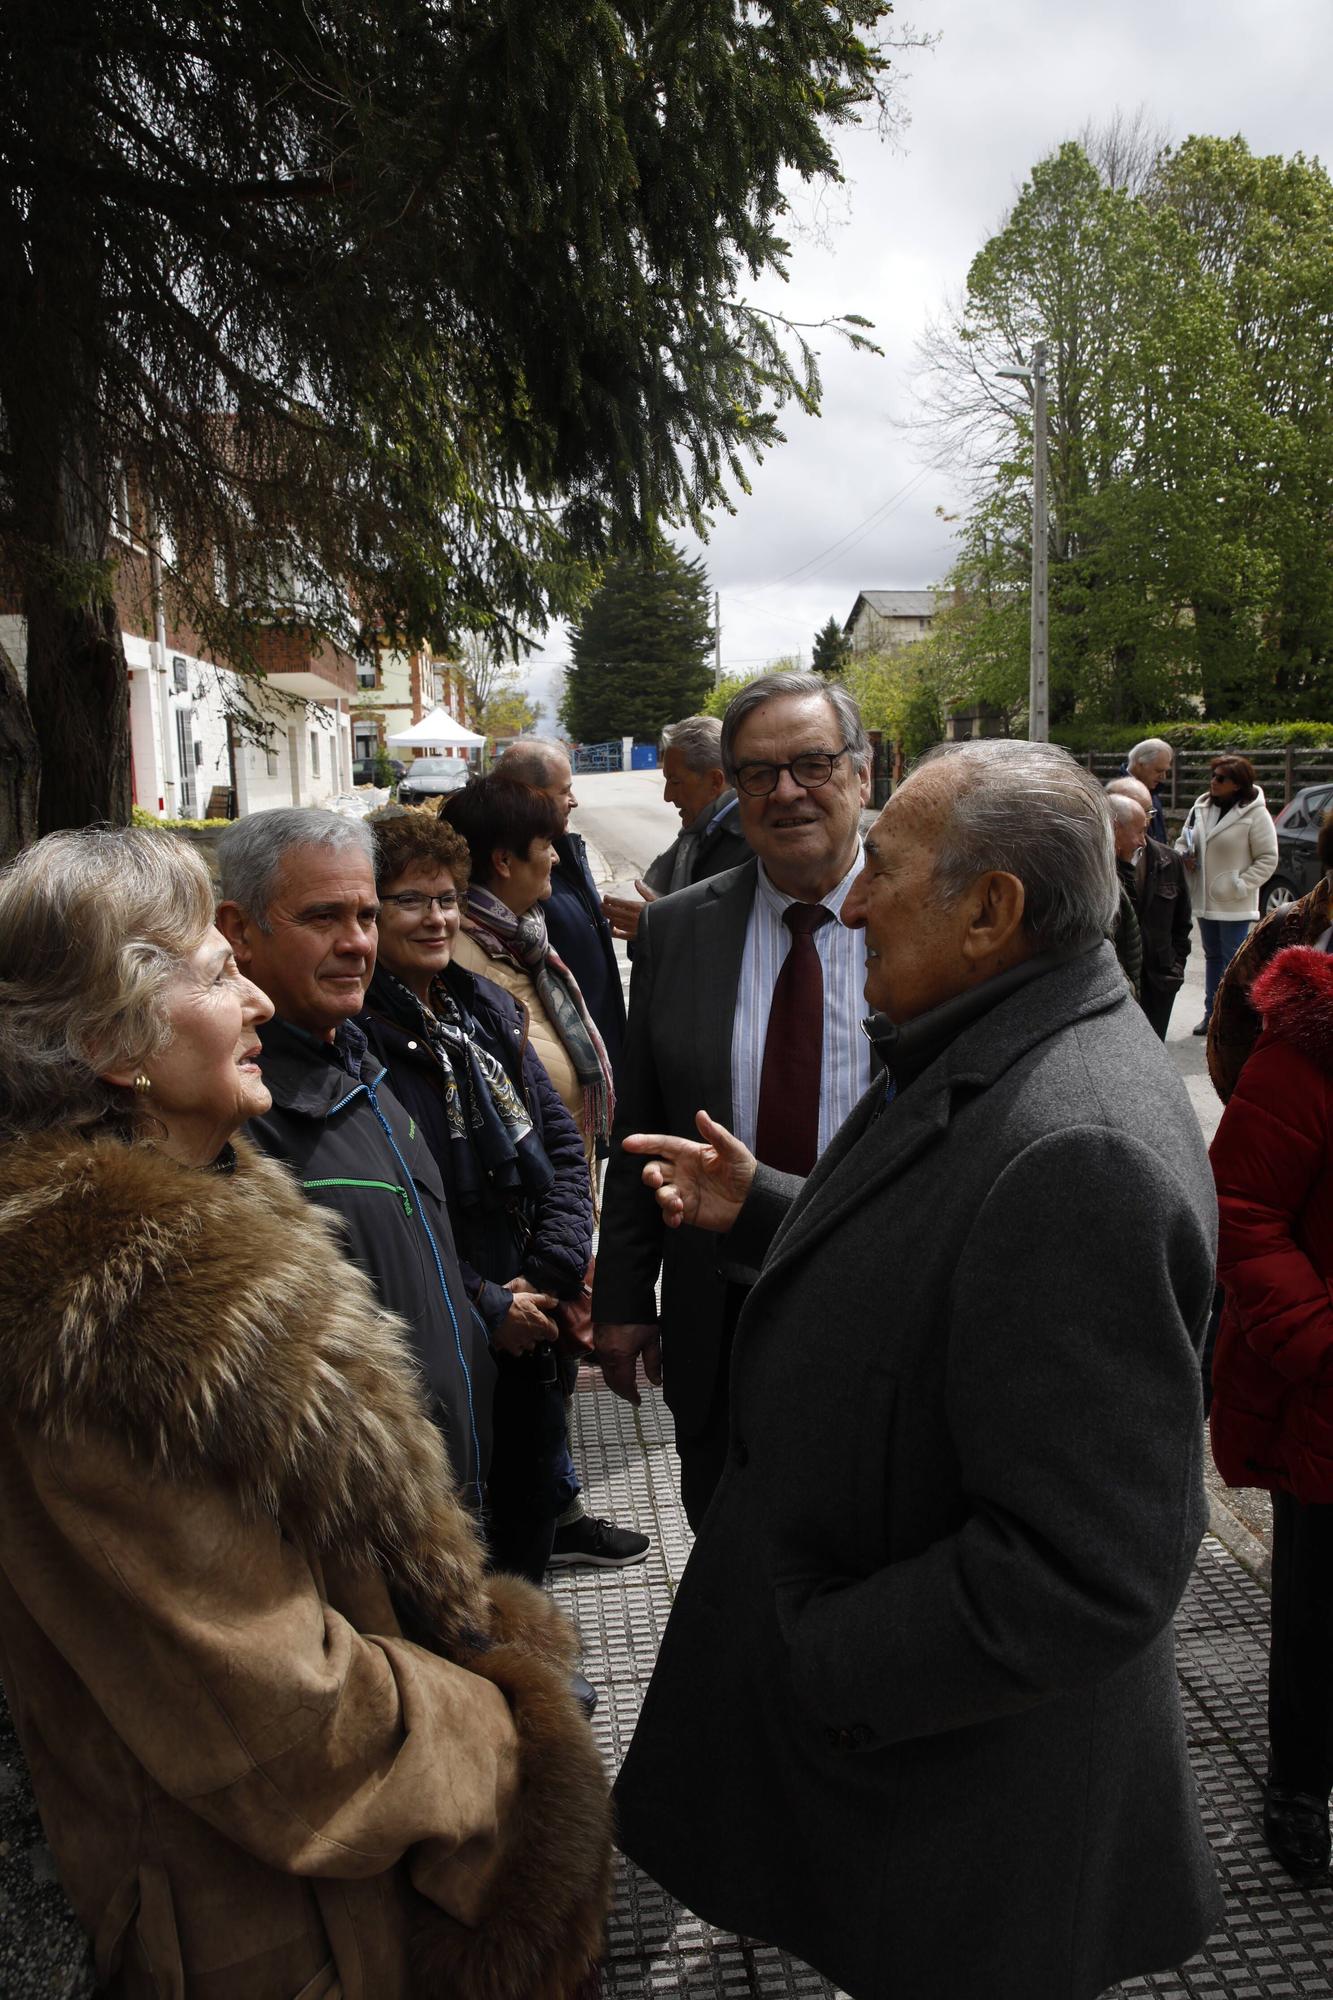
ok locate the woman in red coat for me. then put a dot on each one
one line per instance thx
(1272, 1413)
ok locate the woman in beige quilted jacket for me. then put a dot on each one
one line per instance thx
(1229, 845)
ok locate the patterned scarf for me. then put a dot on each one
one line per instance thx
(523, 941)
(497, 1158)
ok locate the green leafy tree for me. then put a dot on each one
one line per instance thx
(640, 653)
(394, 318)
(831, 649)
(1187, 312)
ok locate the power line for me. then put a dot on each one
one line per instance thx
(858, 532)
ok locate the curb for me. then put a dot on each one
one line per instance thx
(1241, 1542)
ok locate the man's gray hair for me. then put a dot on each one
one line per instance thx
(531, 761)
(1130, 788)
(1124, 808)
(251, 851)
(1148, 751)
(699, 741)
(772, 687)
(1028, 809)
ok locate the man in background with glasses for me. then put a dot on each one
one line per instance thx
(746, 1003)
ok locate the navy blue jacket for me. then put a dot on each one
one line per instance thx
(577, 927)
(355, 1150)
(550, 1241)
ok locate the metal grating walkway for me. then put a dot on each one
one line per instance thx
(1277, 1941)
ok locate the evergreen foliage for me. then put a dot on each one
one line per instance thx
(640, 654)
(832, 648)
(1188, 309)
(400, 316)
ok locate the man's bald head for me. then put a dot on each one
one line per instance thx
(1130, 788)
(1129, 821)
(542, 766)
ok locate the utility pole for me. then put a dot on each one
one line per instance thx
(1039, 669)
(1039, 647)
(717, 640)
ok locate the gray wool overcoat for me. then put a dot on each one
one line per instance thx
(915, 1715)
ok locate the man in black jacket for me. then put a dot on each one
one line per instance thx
(710, 840)
(299, 910)
(575, 921)
(1158, 888)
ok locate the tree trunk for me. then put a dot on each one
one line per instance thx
(20, 765)
(78, 697)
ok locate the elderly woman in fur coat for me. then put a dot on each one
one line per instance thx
(1272, 1411)
(285, 1737)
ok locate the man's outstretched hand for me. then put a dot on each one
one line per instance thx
(704, 1185)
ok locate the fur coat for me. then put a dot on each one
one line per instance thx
(285, 1737)
(1272, 1412)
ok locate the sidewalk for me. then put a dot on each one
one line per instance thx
(1277, 1940)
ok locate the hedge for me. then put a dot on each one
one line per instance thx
(140, 816)
(1081, 736)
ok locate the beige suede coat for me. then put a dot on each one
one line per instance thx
(545, 1042)
(285, 1738)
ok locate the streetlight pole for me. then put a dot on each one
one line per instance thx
(1039, 655)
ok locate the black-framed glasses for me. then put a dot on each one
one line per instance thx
(810, 770)
(413, 903)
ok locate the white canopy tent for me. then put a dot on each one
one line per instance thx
(436, 731)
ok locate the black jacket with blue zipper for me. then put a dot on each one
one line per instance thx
(355, 1150)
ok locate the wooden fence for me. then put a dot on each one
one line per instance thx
(1282, 773)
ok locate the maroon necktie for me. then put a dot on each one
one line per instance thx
(787, 1131)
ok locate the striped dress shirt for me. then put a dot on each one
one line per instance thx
(845, 1074)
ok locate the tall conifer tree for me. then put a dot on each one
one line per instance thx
(640, 653)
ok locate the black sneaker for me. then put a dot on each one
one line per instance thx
(1296, 1830)
(595, 1544)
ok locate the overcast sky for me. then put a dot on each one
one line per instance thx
(847, 503)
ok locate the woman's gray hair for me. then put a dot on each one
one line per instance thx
(698, 739)
(770, 687)
(1028, 809)
(250, 851)
(94, 927)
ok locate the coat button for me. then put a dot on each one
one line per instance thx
(740, 1453)
(411, 1045)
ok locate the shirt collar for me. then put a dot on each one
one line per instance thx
(777, 902)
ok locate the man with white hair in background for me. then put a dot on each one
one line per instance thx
(915, 1715)
(1158, 888)
(1150, 762)
(710, 839)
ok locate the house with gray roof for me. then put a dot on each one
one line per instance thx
(882, 620)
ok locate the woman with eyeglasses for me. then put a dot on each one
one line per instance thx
(461, 1061)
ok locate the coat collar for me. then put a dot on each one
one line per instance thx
(212, 1323)
(301, 1074)
(896, 1134)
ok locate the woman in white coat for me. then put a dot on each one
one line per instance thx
(1229, 845)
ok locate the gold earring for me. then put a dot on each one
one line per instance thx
(143, 1084)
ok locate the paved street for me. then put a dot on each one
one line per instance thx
(1277, 1941)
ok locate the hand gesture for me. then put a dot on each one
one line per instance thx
(527, 1322)
(618, 1350)
(704, 1185)
(623, 915)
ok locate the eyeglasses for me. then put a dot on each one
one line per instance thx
(809, 771)
(413, 904)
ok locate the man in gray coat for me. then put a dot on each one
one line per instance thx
(915, 1714)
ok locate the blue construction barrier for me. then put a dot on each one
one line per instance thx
(598, 757)
(643, 757)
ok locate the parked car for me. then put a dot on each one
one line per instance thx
(366, 770)
(433, 778)
(1297, 832)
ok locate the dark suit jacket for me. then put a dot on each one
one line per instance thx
(576, 925)
(677, 1060)
(915, 1714)
(1165, 921)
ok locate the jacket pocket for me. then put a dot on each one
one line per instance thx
(142, 1906)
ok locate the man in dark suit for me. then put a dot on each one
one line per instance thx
(576, 923)
(711, 978)
(710, 840)
(915, 1715)
(1158, 890)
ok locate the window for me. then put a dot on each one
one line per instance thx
(314, 753)
(271, 760)
(367, 675)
